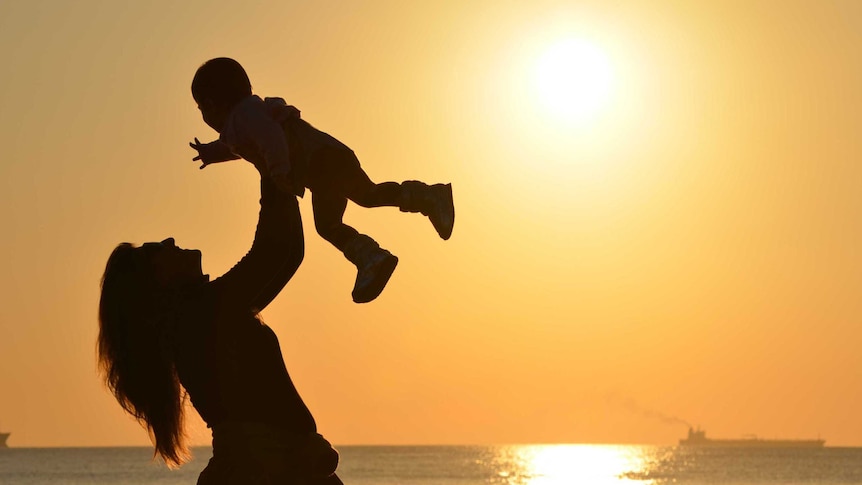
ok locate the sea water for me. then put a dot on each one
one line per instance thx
(470, 465)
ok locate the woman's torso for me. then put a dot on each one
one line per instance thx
(231, 365)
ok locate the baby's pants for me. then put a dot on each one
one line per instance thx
(333, 177)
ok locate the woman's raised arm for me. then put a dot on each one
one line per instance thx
(274, 256)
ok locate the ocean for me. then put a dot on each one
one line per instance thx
(469, 465)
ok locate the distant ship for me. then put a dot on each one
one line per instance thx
(3, 438)
(698, 438)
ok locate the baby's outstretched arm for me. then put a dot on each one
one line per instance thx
(213, 152)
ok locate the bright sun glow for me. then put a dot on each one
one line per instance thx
(574, 80)
(568, 464)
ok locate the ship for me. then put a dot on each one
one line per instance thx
(697, 437)
(3, 438)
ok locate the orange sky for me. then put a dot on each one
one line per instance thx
(691, 251)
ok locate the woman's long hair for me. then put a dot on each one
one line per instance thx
(135, 352)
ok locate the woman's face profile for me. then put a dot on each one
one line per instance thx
(174, 266)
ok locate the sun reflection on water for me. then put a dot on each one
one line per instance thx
(569, 464)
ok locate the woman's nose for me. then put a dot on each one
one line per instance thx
(169, 242)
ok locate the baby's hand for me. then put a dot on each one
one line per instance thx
(213, 152)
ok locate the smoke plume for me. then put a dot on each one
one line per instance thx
(631, 405)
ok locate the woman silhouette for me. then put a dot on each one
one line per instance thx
(166, 332)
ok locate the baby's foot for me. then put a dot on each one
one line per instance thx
(373, 275)
(441, 210)
(433, 201)
(374, 265)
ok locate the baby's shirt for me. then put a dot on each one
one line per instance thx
(253, 131)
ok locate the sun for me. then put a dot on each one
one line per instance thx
(573, 80)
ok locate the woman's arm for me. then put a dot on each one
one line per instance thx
(274, 256)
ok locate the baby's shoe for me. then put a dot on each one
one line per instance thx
(434, 201)
(374, 264)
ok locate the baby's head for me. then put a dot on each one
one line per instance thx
(219, 84)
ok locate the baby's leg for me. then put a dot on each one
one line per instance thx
(345, 176)
(434, 201)
(374, 264)
(328, 213)
(359, 188)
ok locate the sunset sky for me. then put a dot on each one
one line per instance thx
(671, 234)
